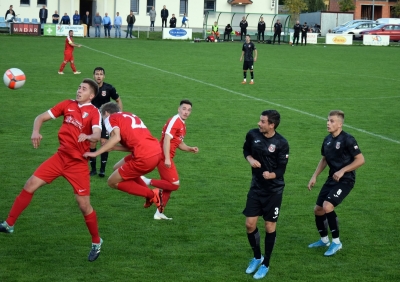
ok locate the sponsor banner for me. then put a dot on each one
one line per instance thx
(25, 28)
(311, 37)
(339, 39)
(49, 30)
(177, 33)
(376, 40)
(62, 30)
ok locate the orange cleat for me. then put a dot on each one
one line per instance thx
(157, 199)
(251, 82)
(243, 82)
(148, 203)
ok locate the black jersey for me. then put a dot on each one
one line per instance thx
(297, 28)
(273, 155)
(339, 152)
(278, 27)
(106, 92)
(248, 49)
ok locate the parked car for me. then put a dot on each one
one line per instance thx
(388, 21)
(357, 28)
(393, 30)
(349, 23)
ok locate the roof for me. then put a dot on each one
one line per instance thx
(240, 2)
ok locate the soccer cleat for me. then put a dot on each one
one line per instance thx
(157, 199)
(102, 173)
(254, 263)
(95, 251)
(159, 216)
(60, 72)
(251, 82)
(148, 203)
(319, 243)
(77, 72)
(261, 272)
(333, 249)
(4, 227)
(244, 82)
(93, 172)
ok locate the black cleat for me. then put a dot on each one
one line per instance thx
(93, 172)
(4, 227)
(95, 251)
(102, 173)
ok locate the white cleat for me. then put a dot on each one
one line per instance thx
(146, 180)
(77, 72)
(60, 72)
(160, 216)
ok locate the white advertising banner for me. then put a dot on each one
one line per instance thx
(376, 40)
(177, 33)
(339, 39)
(311, 38)
(62, 30)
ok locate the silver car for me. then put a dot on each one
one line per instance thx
(347, 24)
(356, 28)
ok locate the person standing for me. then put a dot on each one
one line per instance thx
(117, 25)
(76, 18)
(214, 30)
(247, 53)
(243, 28)
(65, 19)
(134, 137)
(55, 17)
(277, 31)
(107, 25)
(296, 34)
(87, 19)
(10, 11)
(184, 20)
(267, 152)
(105, 94)
(341, 153)
(152, 14)
(261, 29)
(173, 133)
(130, 19)
(164, 16)
(43, 15)
(172, 21)
(69, 53)
(304, 30)
(81, 124)
(97, 21)
(228, 31)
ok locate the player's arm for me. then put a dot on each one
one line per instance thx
(358, 161)
(187, 148)
(247, 153)
(94, 137)
(255, 55)
(36, 137)
(166, 149)
(119, 102)
(320, 168)
(115, 137)
(241, 57)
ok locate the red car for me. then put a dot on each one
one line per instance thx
(393, 30)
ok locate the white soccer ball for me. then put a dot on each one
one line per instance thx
(14, 78)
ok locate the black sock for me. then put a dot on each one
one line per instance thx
(333, 224)
(252, 74)
(254, 240)
(92, 161)
(322, 225)
(269, 246)
(104, 158)
(244, 74)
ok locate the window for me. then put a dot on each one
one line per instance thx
(183, 7)
(42, 2)
(209, 5)
(150, 4)
(24, 2)
(135, 6)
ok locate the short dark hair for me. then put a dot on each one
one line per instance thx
(110, 107)
(99, 69)
(338, 113)
(93, 85)
(273, 117)
(185, 101)
(70, 31)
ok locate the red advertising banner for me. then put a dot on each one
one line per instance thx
(25, 28)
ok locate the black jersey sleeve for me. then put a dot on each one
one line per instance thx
(352, 146)
(283, 158)
(247, 145)
(113, 93)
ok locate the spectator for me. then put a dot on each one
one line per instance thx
(117, 25)
(55, 17)
(184, 20)
(152, 14)
(88, 21)
(172, 21)
(43, 15)
(228, 31)
(261, 29)
(97, 23)
(304, 30)
(107, 25)
(164, 16)
(130, 19)
(76, 18)
(277, 31)
(297, 28)
(243, 28)
(65, 19)
(10, 18)
(214, 30)
(10, 11)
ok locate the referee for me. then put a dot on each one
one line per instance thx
(247, 52)
(341, 153)
(267, 153)
(105, 94)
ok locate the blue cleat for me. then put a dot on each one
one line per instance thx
(333, 249)
(4, 227)
(254, 263)
(261, 272)
(319, 244)
(95, 251)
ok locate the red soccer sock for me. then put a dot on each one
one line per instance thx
(133, 188)
(62, 66)
(91, 223)
(165, 196)
(20, 203)
(73, 66)
(164, 184)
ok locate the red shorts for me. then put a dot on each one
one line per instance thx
(75, 171)
(134, 168)
(68, 57)
(168, 173)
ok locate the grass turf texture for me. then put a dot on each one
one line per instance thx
(206, 240)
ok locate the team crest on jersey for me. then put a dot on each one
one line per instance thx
(337, 145)
(85, 115)
(103, 93)
(271, 148)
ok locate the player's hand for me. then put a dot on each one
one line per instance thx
(240, 59)
(337, 175)
(89, 155)
(311, 183)
(79, 45)
(254, 163)
(36, 138)
(255, 59)
(194, 150)
(266, 175)
(167, 163)
(82, 137)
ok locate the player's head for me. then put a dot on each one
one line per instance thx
(297, 22)
(87, 90)
(87, 13)
(185, 108)
(109, 108)
(248, 38)
(305, 23)
(277, 21)
(335, 122)
(99, 74)
(71, 33)
(269, 121)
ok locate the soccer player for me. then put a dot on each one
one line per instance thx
(129, 130)
(277, 31)
(69, 53)
(296, 34)
(267, 153)
(173, 133)
(106, 92)
(341, 153)
(81, 124)
(247, 52)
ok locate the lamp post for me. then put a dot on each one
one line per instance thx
(373, 9)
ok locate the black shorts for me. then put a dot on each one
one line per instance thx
(248, 65)
(266, 206)
(334, 192)
(104, 133)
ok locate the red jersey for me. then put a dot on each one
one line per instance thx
(176, 129)
(77, 119)
(68, 47)
(134, 134)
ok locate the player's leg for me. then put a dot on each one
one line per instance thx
(273, 42)
(245, 68)
(321, 221)
(252, 72)
(279, 38)
(104, 156)
(305, 39)
(67, 58)
(92, 161)
(263, 36)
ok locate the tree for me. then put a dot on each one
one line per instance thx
(346, 5)
(315, 5)
(396, 9)
(296, 6)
